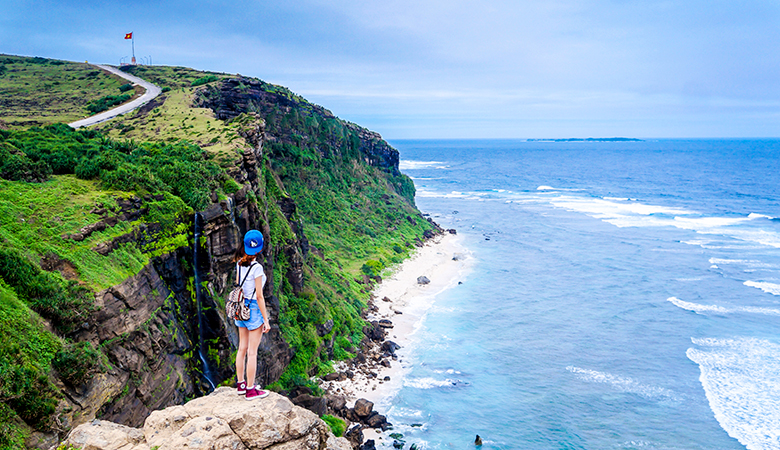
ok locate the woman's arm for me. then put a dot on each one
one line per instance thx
(261, 304)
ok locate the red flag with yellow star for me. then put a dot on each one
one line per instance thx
(129, 36)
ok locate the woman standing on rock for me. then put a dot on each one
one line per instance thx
(250, 273)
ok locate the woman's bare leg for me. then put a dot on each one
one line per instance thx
(243, 344)
(251, 355)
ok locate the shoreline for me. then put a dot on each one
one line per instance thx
(400, 299)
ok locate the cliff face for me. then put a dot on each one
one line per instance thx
(326, 194)
(148, 326)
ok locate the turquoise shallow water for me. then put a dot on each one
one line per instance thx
(624, 295)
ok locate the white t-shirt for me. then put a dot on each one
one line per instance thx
(255, 271)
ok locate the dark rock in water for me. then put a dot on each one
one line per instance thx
(355, 436)
(413, 447)
(369, 445)
(377, 421)
(363, 408)
(423, 280)
(390, 347)
(331, 377)
(317, 405)
(457, 257)
(387, 378)
(385, 323)
(386, 299)
(452, 231)
(398, 444)
(460, 282)
(417, 425)
(398, 436)
(385, 363)
(375, 332)
(325, 328)
(478, 441)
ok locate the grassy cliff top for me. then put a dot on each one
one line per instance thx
(39, 91)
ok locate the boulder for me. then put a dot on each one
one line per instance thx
(363, 407)
(377, 420)
(102, 435)
(325, 328)
(317, 405)
(355, 435)
(385, 323)
(221, 420)
(423, 280)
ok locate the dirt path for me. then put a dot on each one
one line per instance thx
(152, 91)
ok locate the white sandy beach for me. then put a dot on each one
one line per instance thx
(445, 262)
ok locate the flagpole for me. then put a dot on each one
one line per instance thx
(133, 43)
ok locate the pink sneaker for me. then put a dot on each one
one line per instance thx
(241, 386)
(253, 393)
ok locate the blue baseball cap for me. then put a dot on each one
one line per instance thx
(253, 242)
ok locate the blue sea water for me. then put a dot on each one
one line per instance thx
(624, 295)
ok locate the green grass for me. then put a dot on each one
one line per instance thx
(177, 120)
(35, 216)
(25, 389)
(337, 426)
(38, 91)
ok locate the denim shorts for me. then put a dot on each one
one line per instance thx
(255, 317)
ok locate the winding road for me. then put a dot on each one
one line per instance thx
(152, 91)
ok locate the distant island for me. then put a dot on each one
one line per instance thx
(614, 139)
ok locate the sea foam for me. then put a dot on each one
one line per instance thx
(624, 384)
(406, 164)
(741, 378)
(699, 308)
(431, 383)
(770, 288)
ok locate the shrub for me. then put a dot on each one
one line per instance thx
(12, 434)
(231, 186)
(372, 268)
(66, 303)
(87, 169)
(204, 80)
(337, 426)
(21, 168)
(106, 102)
(125, 87)
(78, 363)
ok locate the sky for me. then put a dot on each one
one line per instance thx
(455, 68)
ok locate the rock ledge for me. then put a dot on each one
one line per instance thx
(222, 420)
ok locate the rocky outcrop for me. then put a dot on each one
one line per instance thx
(221, 420)
(234, 96)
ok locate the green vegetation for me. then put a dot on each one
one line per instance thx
(56, 182)
(78, 363)
(66, 304)
(180, 168)
(125, 87)
(337, 426)
(39, 91)
(109, 101)
(204, 80)
(26, 351)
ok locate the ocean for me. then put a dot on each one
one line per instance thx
(624, 295)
